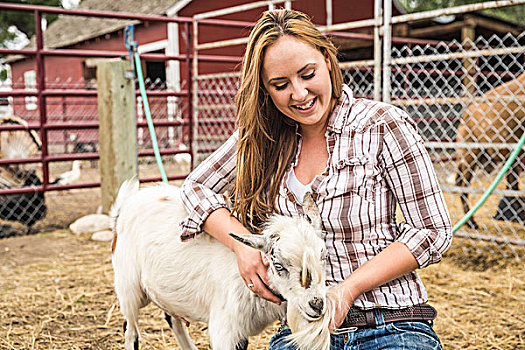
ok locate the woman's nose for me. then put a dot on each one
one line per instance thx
(299, 92)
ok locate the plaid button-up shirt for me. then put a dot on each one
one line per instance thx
(376, 161)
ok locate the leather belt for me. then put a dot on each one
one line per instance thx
(366, 318)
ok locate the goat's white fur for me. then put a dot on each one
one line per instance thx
(198, 280)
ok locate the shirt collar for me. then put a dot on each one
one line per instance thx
(341, 111)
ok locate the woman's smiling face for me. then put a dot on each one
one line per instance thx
(297, 77)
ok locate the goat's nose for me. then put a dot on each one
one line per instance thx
(317, 305)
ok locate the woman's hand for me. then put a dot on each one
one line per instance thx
(253, 269)
(394, 261)
(346, 298)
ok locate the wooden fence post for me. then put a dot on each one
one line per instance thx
(468, 35)
(117, 127)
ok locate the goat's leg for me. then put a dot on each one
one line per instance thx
(223, 335)
(181, 333)
(131, 336)
(130, 303)
(242, 345)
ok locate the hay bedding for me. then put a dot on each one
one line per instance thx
(56, 293)
(56, 289)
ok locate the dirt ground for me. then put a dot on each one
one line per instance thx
(56, 293)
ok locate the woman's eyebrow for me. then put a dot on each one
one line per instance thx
(306, 66)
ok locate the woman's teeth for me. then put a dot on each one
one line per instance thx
(306, 106)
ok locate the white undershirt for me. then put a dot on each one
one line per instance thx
(297, 187)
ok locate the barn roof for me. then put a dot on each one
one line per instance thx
(69, 30)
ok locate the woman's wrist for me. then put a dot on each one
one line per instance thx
(236, 246)
(349, 291)
(220, 223)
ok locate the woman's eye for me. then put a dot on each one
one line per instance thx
(278, 267)
(309, 76)
(281, 87)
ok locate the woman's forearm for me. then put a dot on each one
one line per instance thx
(220, 223)
(395, 261)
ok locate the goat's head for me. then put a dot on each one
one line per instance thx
(297, 255)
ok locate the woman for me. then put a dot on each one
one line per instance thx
(300, 129)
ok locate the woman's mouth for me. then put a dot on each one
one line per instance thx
(306, 106)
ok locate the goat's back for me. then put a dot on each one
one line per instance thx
(145, 208)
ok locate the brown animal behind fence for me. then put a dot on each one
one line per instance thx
(497, 117)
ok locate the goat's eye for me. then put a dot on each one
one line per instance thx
(278, 267)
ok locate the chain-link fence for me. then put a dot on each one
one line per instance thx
(21, 153)
(468, 101)
(215, 110)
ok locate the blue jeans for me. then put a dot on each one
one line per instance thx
(402, 335)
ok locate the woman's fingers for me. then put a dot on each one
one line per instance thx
(264, 259)
(262, 270)
(254, 272)
(262, 290)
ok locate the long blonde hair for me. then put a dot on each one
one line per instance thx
(267, 138)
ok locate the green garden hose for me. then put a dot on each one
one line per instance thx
(147, 112)
(497, 180)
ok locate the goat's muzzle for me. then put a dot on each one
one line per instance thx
(316, 309)
(317, 304)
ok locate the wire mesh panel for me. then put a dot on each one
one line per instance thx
(72, 110)
(468, 101)
(172, 131)
(215, 110)
(21, 150)
(361, 80)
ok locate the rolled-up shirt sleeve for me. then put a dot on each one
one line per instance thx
(427, 230)
(203, 190)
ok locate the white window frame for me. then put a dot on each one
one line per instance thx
(30, 85)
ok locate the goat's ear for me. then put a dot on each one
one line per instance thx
(311, 210)
(258, 242)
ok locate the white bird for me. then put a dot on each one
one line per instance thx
(183, 160)
(69, 176)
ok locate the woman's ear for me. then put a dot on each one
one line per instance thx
(327, 60)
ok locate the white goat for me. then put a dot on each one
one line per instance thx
(199, 280)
